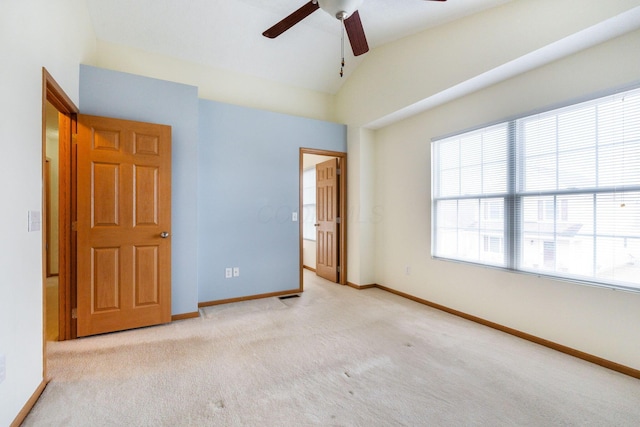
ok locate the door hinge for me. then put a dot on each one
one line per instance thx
(74, 226)
(74, 313)
(338, 269)
(338, 171)
(338, 221)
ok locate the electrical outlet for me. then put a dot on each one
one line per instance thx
(3, 368)
(236, 271)
(228, 273)
(294, 216)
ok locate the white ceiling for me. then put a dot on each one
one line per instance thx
(227, 34)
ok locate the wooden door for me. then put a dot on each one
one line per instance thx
(327, 229)
(123, 224)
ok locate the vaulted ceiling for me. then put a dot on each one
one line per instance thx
(227, 34)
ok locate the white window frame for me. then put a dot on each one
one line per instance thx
(552, 206)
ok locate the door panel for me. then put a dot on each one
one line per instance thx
(327, 212)
(105, 188)
(123, 206)
(146, 275)
(146, 195)
(105, 286)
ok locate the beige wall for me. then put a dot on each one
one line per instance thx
(309, 253)
(27, 43)
(218, 85)
(363, 212)
(419, 67)
(598, 321)
(446, 63)
(513, 59)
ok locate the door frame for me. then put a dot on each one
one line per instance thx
(54, 94)
(342, 241)
(47, 214)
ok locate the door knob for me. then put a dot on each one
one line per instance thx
(316, 225)
(164, 234)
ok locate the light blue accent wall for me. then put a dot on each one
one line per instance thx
(127, 96)
(235, 183)
(248, 188)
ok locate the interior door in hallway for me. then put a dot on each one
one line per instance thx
(327, 228)
(123, 224)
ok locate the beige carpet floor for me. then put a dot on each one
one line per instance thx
(333, 357)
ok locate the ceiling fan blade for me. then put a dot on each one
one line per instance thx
(358, 40)
(291, 20)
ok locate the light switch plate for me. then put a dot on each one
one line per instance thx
(35, 221)
(236, 271)
(294, 216)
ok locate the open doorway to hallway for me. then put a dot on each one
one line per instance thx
(58, 295)
(323, 214)
(309, 240)
(51, 209)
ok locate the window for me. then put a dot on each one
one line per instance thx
(309, 204)
(555, 193)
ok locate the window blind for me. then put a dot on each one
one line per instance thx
(555, 193)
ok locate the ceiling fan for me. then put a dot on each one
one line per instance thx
(344, 10)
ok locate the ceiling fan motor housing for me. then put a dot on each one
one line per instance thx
(341, 9)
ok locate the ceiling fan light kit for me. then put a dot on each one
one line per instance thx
(340, 9)
(344, 10)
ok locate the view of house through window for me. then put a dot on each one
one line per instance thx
(556, 193)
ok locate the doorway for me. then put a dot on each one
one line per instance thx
(58, 113)
(309, 158)
(81, 184)
(51, 210)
